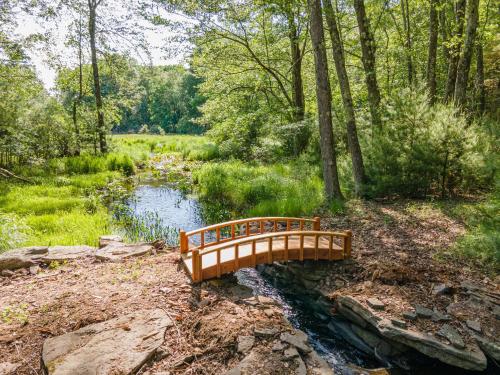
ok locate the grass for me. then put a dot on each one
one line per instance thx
(261, 190)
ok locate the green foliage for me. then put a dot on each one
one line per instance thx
(423, 150)
(13, 231)
(284, 190)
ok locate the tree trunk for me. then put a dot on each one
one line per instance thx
(466, 55)
(368, 58)
(454, 51)
(345, 90)
(481, 94)
(324, 100)
(101, 129)
(431, 58)
(405, 12)
(297, 86)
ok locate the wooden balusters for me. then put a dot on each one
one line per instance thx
(217, 234)
(330, 247)
(247, 227)
(275, 226)
(232, 231)
(286, 248)
(317, 223)
(236, 257)
(301, 224)
(218, 264)
(288, 225)
(301, 254)
(261, 225)
(202, 239)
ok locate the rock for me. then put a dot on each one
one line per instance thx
(118, 251)
(107, 239)
(399, 323)
(269, 312)
(438, 316)
(7, 273)
(423, 312)
(34, 270)
(317, 365)
(356, 370)
(266, 300)
(278, 346)
(441, 289)
(121, 345)
(266, 332)
(62, 253)
(22, 258)
(492, 349)
(7, 368)
(355, 311)
(474, 325)
(301, 368)
(245, 344)
(291, 353)
(375, 303)
(297, 339)
(452, 335)
(410, 315)
(343, 329)
(470, 359)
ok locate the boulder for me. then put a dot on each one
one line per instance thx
(22, 258)
(245, 343)
(491, 348)
(375, 303)
(63, 253)
(317, 365)
(266, 332)
(452, 335)
(297, 339)
(441, 289)
(121, 345)
(117, 251)
(107, 239)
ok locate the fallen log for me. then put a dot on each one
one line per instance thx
(8, 174)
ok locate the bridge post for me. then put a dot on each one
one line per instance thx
(317, 223)
(183, 242)
(347, 244)
(196, 266)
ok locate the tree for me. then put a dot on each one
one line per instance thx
(323, 97)
(368, 58)
(432, 54)
(345, 89)
(466, 55)
(405, 13)
(454, 48)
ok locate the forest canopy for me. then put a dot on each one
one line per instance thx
(397, 97)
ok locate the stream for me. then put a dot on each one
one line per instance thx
(180, 211)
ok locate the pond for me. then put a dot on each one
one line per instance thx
(178, 210)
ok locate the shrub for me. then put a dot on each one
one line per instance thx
(422, 150)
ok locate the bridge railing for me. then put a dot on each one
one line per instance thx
(243, 228)
(198, 254)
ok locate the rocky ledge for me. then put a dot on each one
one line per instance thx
(111, 248)
(457, 325)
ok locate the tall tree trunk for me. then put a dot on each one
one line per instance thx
(405, 12)
(454, 51)
(297, 86)
(431, 58)
(324, 100)
(101, 128)
(368, 58)
(481, 94)
(78, 101)
(466, 55)
(345, 90)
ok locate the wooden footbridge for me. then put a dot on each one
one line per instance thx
(223, 248)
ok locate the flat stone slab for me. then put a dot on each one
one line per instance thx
(117, 251)
(245, 343)
(375, 303)
(452, 335)
(117, 346)
(62, 253)
(22, 257)
(297, 339)
(107, 239)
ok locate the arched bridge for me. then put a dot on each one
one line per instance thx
(227, 247)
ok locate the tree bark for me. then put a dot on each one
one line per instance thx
(368, 58)
(324, 100)
(345, 90)
(466, 55)
(454, 51)
(405, 12)
(101, 128)
(297, 85)
(432, 54)
(481, 94)
(78, 100)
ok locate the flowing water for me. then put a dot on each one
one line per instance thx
(181, 211)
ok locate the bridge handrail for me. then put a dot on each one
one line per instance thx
(184, 236)
(197, 254)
